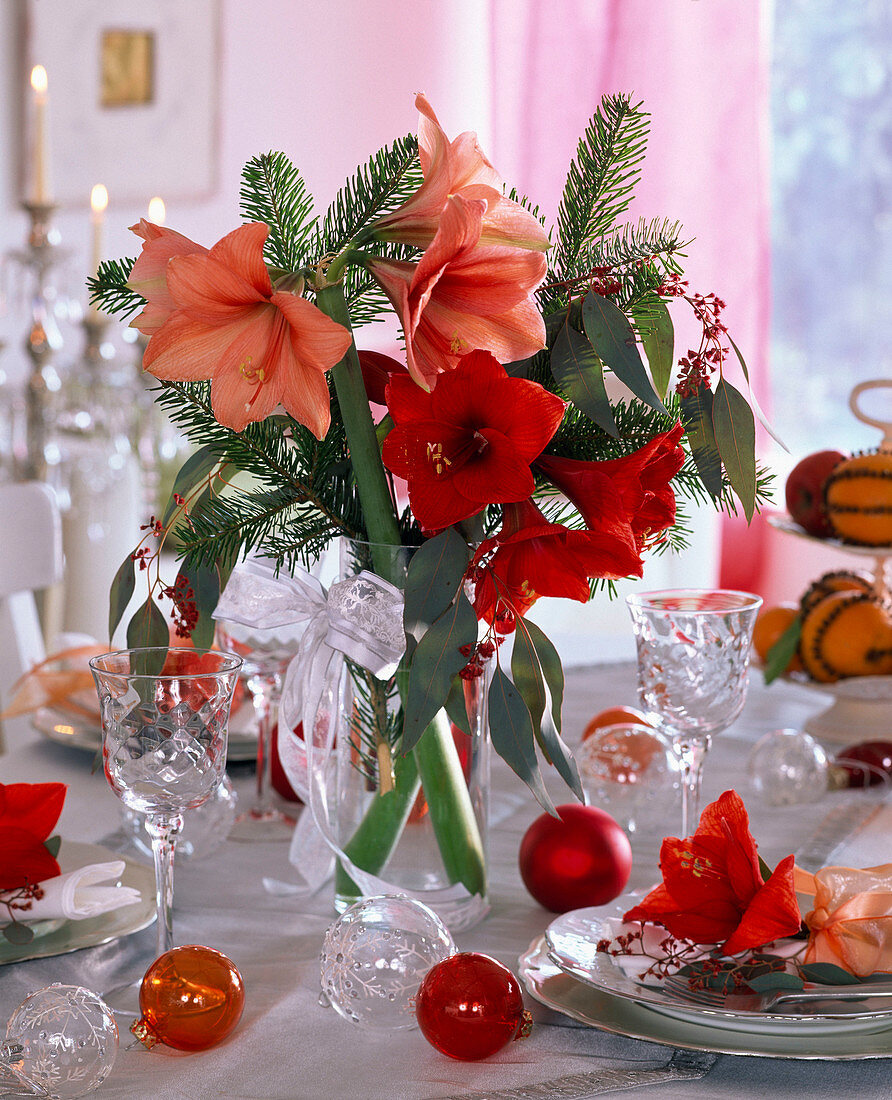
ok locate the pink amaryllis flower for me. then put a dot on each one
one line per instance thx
(260, 347)
(148, 276)
(536, 558)
(460, 297)
(457, 167)
(470, 442)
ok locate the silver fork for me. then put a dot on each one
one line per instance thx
(854, 994)
(684, 1065)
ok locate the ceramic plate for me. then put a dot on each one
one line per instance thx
(60, 937)
(598, 1008)
(67, 729)
(572, 945)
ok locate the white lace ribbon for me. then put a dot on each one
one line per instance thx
(360, 618)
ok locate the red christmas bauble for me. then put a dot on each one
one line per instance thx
(191, 998)
(581, 858)
(469, 1006)
(876, 755)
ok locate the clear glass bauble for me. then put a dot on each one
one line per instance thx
(68, 1039)
(788, 767)
(375, 956)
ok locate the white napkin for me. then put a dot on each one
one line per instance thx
(79, 894)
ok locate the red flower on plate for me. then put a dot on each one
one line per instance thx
(713, 891)
(635, 488)
(470, 442)
(28, 814)
(536, 558)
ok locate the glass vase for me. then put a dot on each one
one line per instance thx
(416, 820)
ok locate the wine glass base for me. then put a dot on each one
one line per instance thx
(123, 999)
(262, 825)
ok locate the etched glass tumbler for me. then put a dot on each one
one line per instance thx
(693, 654)
(165, 716)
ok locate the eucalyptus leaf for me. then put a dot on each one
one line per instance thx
(828, 974)
(149, 628)
(613, 339)
(735, 434)
(434, 576)
(53, 844)
(120, 593)
(696, 415)
(511, 733)
(775, 979)
(457, 708)
(205, 583)
(580, 373)
(195, 469)
(436, 661)
(17, 933)
(781, 653)
(658, 340)
(763, 420)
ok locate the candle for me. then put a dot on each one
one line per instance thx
(40, 187)
(98, 203)
(157, 211)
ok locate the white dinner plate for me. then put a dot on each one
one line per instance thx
(597, 1008)
(60, 937)
(66, 728)
(572, 941)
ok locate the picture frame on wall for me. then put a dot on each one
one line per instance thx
(132, 98)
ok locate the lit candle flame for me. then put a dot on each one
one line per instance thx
(98, 198)
(38, 79)
(157, 211)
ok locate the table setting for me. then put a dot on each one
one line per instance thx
(464, 899)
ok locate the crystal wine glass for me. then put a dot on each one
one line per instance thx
(693, 653)
(265, 653)
(165, 715)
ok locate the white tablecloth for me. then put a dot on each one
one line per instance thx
(287, 1046)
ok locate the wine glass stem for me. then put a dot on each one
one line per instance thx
(164, 829)
(691, 751)
(265, 697)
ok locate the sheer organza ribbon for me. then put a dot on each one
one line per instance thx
(851, 922)
(359, 618)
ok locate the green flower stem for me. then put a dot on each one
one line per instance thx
(365, 454)
(373, 843)
(449, 805)
(435, 757)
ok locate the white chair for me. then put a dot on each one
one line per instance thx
(30, 560)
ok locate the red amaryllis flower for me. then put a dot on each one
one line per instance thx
(457, 168)
(376, 371)
(713, 891)
(28, 814)
(470, 442)
(260, 346)
(536, 558)
(635, 486)
(460, 296)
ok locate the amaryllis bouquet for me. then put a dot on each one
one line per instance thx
(726, 921)
(492, 442)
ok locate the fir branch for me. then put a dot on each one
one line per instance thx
(109, 290)
(273, 192)
(633, 243)
(389, 179)
(601, 180)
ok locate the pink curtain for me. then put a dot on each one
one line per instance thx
(700, 69)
